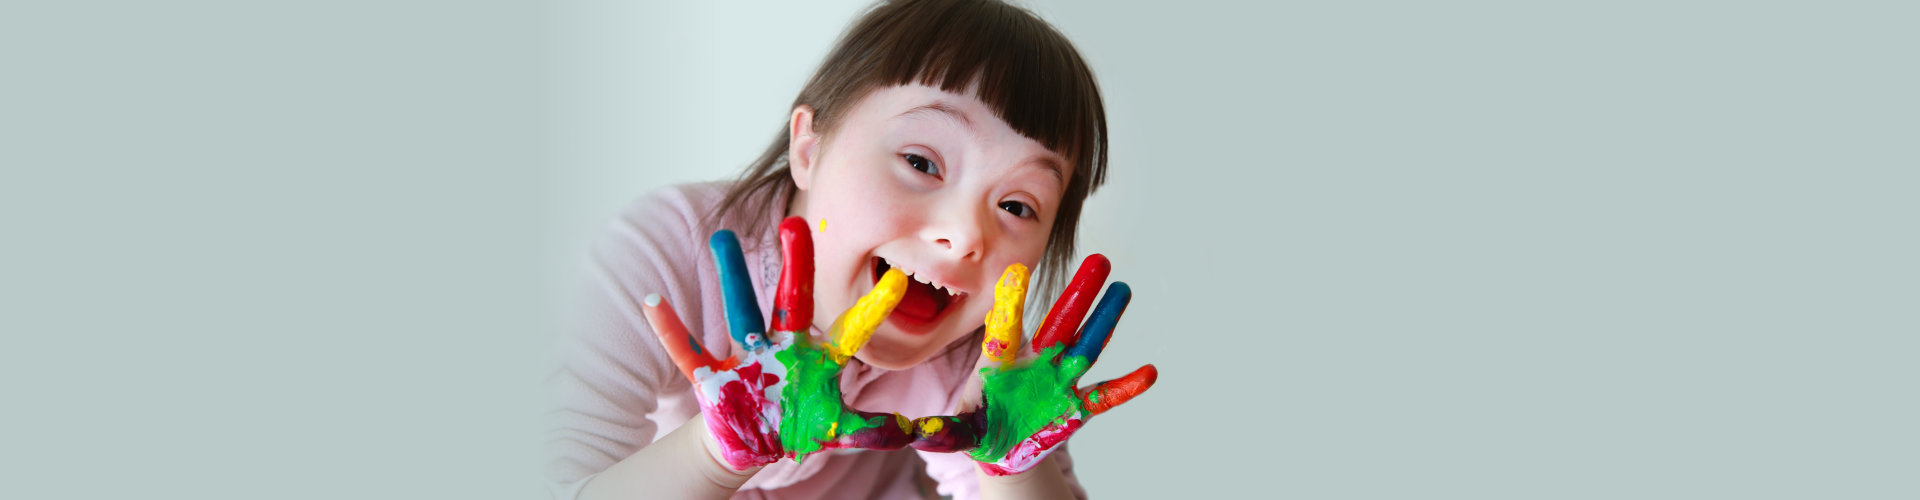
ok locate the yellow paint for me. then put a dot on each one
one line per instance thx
(1003, 323)
(823, 225)
(931, 426)
(855, 327)
(906, 426)
(831, 429)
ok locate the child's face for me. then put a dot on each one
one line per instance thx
(925, 181)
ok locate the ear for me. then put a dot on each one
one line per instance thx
(802, 146)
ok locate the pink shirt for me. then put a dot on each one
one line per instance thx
(615, 390)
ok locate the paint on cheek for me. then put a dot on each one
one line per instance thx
(810, 404)
(1024, 400)
(823, 224)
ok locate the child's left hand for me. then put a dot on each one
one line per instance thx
(779, 394)
(1027, 408)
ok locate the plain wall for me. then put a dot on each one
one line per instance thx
(1378, 249)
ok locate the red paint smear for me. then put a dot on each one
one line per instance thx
(1117, 391)
(735, 420)
(1035, 446)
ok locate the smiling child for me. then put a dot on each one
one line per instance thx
(946, 139)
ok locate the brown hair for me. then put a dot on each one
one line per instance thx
(1024, 69)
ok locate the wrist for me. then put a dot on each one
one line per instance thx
(1044, 480)
(715, 468)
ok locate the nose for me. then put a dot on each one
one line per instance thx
(960, 234)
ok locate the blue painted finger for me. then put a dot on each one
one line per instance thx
(744, 321)
(1099, 328)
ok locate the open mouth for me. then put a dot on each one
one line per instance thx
(925, 302)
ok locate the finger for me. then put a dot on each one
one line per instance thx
(681, 346)
(886, 431)
(855, 327)
(947, 434)
(1003, 323)
(793, 302)
(1106, 395)
(1064, 318)
(743, 308)
(1099, 329)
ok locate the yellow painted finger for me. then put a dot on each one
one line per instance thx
(855, 327)
(1003, 322)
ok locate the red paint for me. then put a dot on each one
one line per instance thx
(995, 348)
(735, 420)
(1035, 447)
(1117, 391)
(1063, 320)
(793, 301)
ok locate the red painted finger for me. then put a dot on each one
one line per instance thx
(686, 351)
(1063, 320)
(1106, 395)
(793, 302)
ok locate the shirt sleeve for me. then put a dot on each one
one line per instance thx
(609, 370)
(957, 480)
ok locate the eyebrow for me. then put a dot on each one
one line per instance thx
(940, 108)
(1052, 166)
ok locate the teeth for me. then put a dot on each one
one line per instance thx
(922, 279)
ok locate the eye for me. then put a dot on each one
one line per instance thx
(1018, 209)
(922, 164)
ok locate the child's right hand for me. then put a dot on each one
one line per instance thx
(1030, 404)
(780, 396)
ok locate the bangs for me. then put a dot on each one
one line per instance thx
(1015, 63)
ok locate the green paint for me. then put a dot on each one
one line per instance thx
(810, 403)
(1023, 400)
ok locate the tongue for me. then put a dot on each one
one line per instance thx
(918, 303)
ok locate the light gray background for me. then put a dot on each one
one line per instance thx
(1380, 249)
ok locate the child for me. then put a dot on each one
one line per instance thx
(946, 139)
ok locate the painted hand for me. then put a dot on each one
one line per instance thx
(1028, 407)
(779, 395)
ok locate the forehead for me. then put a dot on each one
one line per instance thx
(920, 105)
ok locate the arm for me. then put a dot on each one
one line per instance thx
(679, 465)
(1044, 480)
(609, 371)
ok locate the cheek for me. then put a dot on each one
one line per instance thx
(859, 215)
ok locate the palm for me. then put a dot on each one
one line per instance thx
(779, 396)
(1028, 407)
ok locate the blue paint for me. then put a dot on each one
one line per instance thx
(1093, 337)
(695, 344)
(743, 308)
